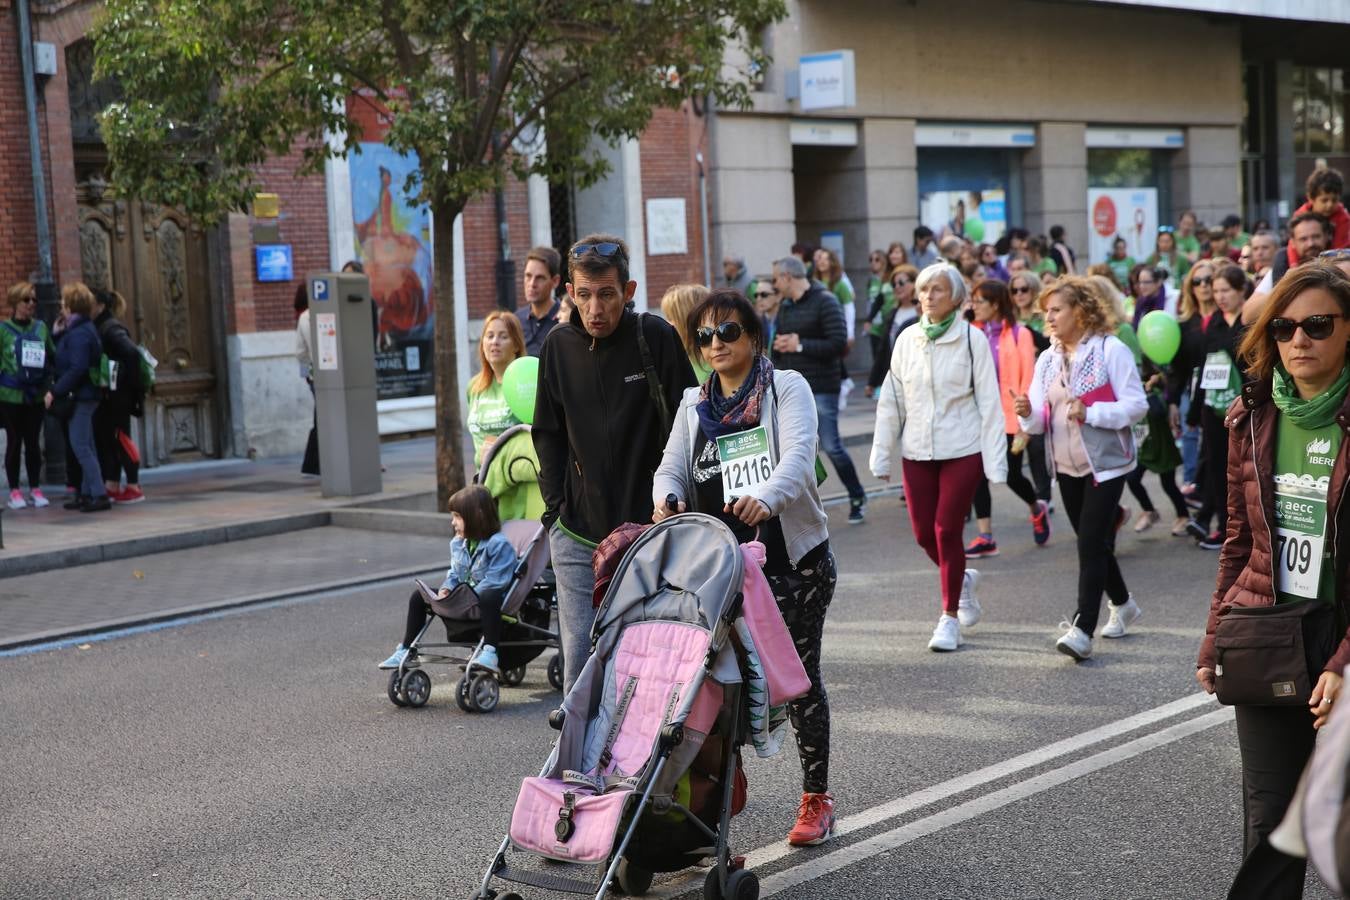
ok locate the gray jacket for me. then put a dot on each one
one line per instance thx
(790, 493)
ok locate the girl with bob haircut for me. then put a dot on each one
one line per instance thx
(502, 343)
(940, 401)
(1287, 449)
(481, 560)
(677, 303)
(779, 506)
(1085, 395)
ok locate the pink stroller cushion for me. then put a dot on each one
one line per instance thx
(595, 820)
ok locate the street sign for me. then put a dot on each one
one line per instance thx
(273, 262)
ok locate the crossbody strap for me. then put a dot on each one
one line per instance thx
(654, 388)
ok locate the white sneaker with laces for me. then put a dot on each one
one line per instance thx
(486, 658)
(1122, 617)
(968, 608)
(946, 636)
(16, 500)
(1075, 641)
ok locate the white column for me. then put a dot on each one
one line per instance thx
(464, 353)
(337, 180)
(631, 155)
(541, 212)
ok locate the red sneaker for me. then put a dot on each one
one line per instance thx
(815, 821)
(131, 494)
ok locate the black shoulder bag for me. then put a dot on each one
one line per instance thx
(654, 388)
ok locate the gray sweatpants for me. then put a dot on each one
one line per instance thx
(571, 562)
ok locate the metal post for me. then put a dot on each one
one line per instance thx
(41, 224)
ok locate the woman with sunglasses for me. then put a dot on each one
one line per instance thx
(766, 494)
(882, 305)
(940, 400)
(1197, 301)
(1288, 447)
(901, 315)
(26, 357)
(1014, 360)
(1216, 380)
(1025, 289)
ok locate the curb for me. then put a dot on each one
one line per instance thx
(189, 612)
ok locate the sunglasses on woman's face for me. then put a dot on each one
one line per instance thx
(763, 295)
(1021, 289)
(1317, 328)
(726, 332)
(1204, 280)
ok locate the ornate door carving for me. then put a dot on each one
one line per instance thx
(157, 260)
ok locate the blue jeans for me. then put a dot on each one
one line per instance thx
(827, 419)
(571, 562)
(1190, 444)
(82, 443)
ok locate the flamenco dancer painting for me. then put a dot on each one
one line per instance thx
(396, 261)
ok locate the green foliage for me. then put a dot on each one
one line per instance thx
(215, 87)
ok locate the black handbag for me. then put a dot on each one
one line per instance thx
(1272, 655)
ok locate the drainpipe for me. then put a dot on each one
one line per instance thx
(48, 304)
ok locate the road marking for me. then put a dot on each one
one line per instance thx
(901, 805)
(898, 837)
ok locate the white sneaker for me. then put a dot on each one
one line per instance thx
(16, 500)
(946, 636)
(845, 388)
(37, 499)
(1122, 617)
(968, 609)
(1075, 641)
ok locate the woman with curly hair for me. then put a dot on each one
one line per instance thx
(1085, 394)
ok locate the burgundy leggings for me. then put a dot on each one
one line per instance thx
(938, 494)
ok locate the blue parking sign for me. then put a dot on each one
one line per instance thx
(319, 289)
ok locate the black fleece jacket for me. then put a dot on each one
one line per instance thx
(818, 319)
(597, 431)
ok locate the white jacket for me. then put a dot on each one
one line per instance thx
(940, 400)
(1129, 407)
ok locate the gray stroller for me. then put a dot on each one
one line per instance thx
(645, 774)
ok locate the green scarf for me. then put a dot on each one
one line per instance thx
(935, 331)
(1318, 412)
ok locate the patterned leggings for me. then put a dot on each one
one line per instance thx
(803, 598)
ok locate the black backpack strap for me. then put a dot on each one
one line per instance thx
(654, 388)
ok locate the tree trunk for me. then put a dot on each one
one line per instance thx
(449, 422)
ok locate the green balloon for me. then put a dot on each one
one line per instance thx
(975, 229)
(519, 382)
(1159, 336)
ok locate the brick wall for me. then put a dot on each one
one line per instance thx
(304, 225)
(669, 169)
(19, 258)
(480, 246)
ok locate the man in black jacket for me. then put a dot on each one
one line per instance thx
(811, 339)
(609, 382)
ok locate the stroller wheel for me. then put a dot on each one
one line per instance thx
(555, 672)
(396, 689)
(633, 881)
(514, 677)
(484, 692)
(462, 695)
(742, 885)
(416, 688)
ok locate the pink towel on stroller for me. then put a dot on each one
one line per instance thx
(778, 657)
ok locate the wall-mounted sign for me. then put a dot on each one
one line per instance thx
(666, 226)
(972, 134)
(1127, 213)
(823, 133)
(827, 80)
(273, 262)
(1120, 138)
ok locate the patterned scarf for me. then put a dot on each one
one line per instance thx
(721, 415)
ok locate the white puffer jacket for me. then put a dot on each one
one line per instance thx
(940, 400)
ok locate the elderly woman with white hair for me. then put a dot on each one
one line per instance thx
(940, 399)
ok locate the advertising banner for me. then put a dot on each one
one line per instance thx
(981, 216)
(1129, 213)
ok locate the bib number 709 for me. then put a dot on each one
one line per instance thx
(1295, 554)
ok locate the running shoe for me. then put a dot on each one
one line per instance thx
(946, 636)
(1196, 530)
(397, 657)
(968, 608)
(1075, 641)
(815, 821)
(1212, 541)
(16, 500)
(486, 658)
(131, 494)
(38, 499)
(857, 510)
(1040, 523)
(981, 547)
(1179, 526)
(1147, 519)
(1122, 617)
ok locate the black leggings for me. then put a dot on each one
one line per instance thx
(1091, 507)
(489, 604)
(1040, 474)
(23, 430)
(1214, 483)
(1168, 480)
(113, 416)
(1017, 483)
(803, 598)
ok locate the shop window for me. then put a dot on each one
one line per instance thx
(1321, 100)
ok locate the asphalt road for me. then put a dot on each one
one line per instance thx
(255, 753)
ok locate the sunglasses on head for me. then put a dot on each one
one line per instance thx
(1202, 280)
(1166, 229)
(607, 249)
(1343, 253)
(1317, 328)
(726, 332)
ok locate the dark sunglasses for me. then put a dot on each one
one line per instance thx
(901, 282)
(607, 249)
(1021, 289)
(1317, 328)
(1207, 279)
(726, 332)
(763, 295)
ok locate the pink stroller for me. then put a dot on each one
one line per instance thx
(645, 774)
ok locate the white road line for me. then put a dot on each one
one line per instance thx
(960, 784)
(897, 837)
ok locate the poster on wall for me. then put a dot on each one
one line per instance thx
(1129, 213)
(393, 243)
(981, 216)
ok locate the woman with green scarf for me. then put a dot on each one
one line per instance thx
(1286, 549)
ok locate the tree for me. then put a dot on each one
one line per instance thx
(213, 88)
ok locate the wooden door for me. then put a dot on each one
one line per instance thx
(157, 260)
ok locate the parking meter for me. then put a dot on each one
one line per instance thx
(343, 360)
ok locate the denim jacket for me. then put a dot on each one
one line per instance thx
(489, 567)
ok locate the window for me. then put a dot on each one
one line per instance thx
(1321, 101)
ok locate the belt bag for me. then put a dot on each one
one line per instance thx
(1267, 655)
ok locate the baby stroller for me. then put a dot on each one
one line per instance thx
(527, 611)
(660, 694)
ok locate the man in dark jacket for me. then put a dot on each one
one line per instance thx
(811, 339)
(609, 382)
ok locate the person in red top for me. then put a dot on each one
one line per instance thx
(1324, 189)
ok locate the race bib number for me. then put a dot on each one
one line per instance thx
(746, 463)
(33, 355)
(1300, 535)
(1215, 375)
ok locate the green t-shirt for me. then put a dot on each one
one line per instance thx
(1046, 265)
(1120, 268)
(1188, 244)
(36, 348)
(489, 416)
(883, 316)
(1301, 556)
(841, 290)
